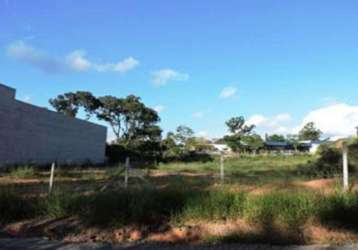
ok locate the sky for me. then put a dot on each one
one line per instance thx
(278, 63)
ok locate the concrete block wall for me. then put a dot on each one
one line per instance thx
(30, 134)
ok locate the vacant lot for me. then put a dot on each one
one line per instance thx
(263, 199)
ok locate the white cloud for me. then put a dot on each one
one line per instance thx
(75, 61)
(337, 120)
(26, 99)
(163, 76)
(203, 133)
(256, 120)
(274, 124)
(282, 117)
(27, 54)
(159, 108)
(228, 92)
(126, 65)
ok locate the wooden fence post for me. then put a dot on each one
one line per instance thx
(345, 167)
(126, 172)
(51, 178)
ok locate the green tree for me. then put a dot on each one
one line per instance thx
(236, 125)
(253, 143)
(66, 104)
(309, 132)
(70, 103)
(129, 118)
(276, 138)
(183, 135)
(293, 140)
(238, 130)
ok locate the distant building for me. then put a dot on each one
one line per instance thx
(302, 146)
(30, 134)
(222, 148)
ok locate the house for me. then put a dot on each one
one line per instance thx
(31, 134)
(314, 145)
(222, 148)
(302, 146)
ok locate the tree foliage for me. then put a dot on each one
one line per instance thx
(238, 131)
(276, 138)
(132, 122)
(236, 125)
(309, 132)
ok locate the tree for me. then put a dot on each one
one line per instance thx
(293, 140)
(65, 104)
(253, 142)
(276, 138)
(111, 111)
(129, 118)
(236, 125)
(70, 103)
(309, 132)
(238, 130)
(183, 134)
(133, 124)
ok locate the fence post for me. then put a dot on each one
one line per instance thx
(345, 167)
(126, 172)
(51, 178)
(222, 173)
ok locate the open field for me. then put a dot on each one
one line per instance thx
(264, 199)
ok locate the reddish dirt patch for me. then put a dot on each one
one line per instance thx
(321, 234)
(321, 183)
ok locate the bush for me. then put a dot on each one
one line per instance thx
(328, 164)
(340, 208)
(23, 172)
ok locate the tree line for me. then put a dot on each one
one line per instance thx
(137, 133)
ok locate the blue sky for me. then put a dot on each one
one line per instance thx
(278, 63)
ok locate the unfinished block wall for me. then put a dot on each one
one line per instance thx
(30, 134)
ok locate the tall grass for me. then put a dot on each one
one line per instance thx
(22, 172)
(14, 207)
(157, 207)
(214, 206)
(292, 209)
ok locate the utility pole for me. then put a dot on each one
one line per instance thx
(357, 131)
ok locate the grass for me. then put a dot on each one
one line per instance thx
(136, 206)
(14, 207)
(248, 169)
(188, 193)
(23, 172)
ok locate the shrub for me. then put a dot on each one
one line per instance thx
(22, 172)
(339, 208)
(328, 163)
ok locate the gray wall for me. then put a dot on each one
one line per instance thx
(30, 134)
